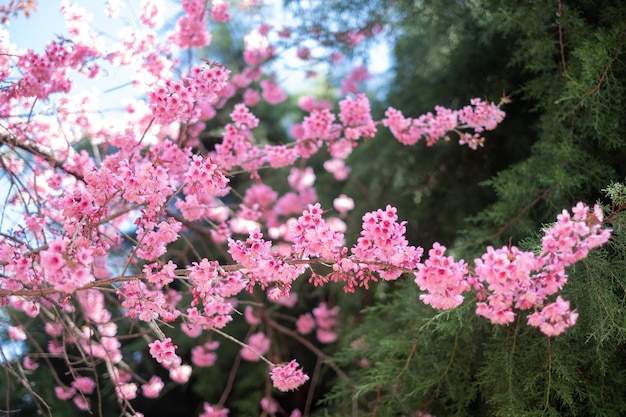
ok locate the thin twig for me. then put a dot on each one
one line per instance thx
(561, 44)
(607, 68)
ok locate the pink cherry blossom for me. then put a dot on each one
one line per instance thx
(338, 168)
(84, 384)
(165, 353)
(180, 374)
(343, 203)
(17, 333)
(191, 29)
(271, 92)
(250, 317)
(153, 388)
(305, 323)
(313, 237)
(350, 84)
(29, 363)
(64, 393)
(127, 391)
(102, 203)
(219, 10)
(258, 344)
(269, 405)
(204, 355)
(288, 377)
(251, 97)
(81, 402)
(211, 411)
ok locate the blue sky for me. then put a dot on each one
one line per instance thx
(47, 23)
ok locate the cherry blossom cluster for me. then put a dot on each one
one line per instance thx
(237, 147)
(42, 75)
(443, 279)
(205, 178)
(319, 127)
(105, 220)
(325, 320)
(263, 266)
(313, 237)
(258, 345)
(355, 115)
(66, 269)
(191, 28)
(219, 10)
(382, 241)
(164, 352)
(106, 348)
(185, 100)
(508, 278)
(211, 287)
(271, 92)
(350, 84)
(288, 377)
(204, 355)
(479, 116)
(142, 302)
(211, 411)
(506, 274)
(257, 48)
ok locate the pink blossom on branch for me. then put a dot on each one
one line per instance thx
(507, 278)
(153, 388)
(443, 279)
(165, 353)
(350, 84)
(479, 116)
(382, 241)
(288, 377)
(219, 10)
(174, 101)
(258, 345)
(84, 384)
(191, 29)
(211, 411)
(180, 374)
(204, 355)
(269, 405)
(272, 93)
(313, 237)
(152, 13)
(149, 171)
(64, 393)
(257, 48)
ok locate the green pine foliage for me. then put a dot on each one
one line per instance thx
(407, 357)
(562, 63)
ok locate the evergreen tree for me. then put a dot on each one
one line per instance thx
(562, 65)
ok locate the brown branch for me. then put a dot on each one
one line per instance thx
(309, 396)
(103, 283)
(607, 68)
(332, 365)
(559, 13)
(522, 212)
(49, 291)
(15, 7)
(35, 149)
(230, 382)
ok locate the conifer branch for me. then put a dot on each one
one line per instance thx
(607, 68)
